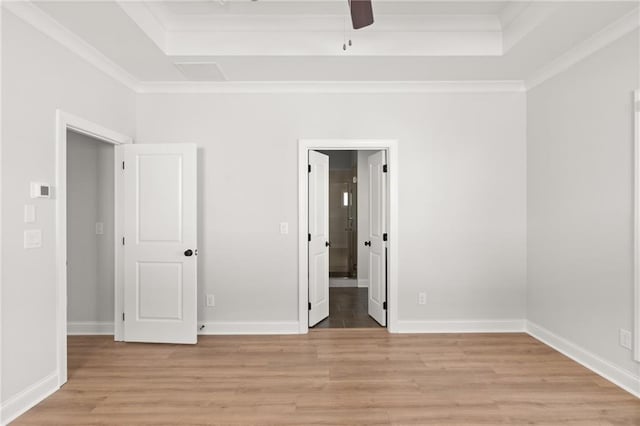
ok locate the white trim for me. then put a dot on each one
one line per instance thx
(50, 27)
(37, 18)
(462, 326)
(90, 328)
(363, 282)
(618, 376)
(47, 25)
(636, 233)
(391, 146)
(244, 327)
(153, 28)
(64, 122)
(519, 19)
(28, 398)
(334, 87)
(599, 40)
(1, 285)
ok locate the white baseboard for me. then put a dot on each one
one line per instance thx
(620, 377)
(241, 327)
(462, 326)
(363, 282)
(28, 398)
(87, 328)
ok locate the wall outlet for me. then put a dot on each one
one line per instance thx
(211, 301)
(32, 238)
(422, 298)
(625, 338)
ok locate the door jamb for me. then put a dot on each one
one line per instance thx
(391, 146)
(65, 122)
(636, 234)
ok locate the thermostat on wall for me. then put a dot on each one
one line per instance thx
(40, 190)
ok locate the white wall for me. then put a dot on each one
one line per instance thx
(462, 194)
(363, 217)
(580, 201)
(38, 76)
(90, 190)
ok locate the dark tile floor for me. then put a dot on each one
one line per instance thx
(348, 309)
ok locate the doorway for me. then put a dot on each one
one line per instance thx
(348, 230)
(154, 213)
(90, 235)
(69, 125)
(334, 286)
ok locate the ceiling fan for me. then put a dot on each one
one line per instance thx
(361, 13)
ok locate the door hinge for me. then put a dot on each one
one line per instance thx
(309, 168)
(123, 165)
(384, 168)
(122, 240)
(309, 237)
(384, 305)
(309, 305)
(384, 237)
(123, 316)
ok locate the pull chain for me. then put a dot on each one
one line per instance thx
(344, 35)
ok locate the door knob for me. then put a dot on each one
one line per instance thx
(367, 243)
(327, 244)
(188, 252)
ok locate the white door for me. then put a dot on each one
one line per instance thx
(318, 237)
(160, 243)
(377, 238)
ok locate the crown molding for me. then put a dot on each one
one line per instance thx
(588, 47)
(335, 87)
(520, 19)
(276, 34)
(147, 21)
(34, 16)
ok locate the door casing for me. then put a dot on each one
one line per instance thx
(391, 147)
(65, 122)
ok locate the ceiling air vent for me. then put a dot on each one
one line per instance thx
(201, 71)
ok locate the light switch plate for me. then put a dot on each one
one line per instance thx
(29, 213)
(32, 238)
(99, 228)
(284, 228)
(211, 301)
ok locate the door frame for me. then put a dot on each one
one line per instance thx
(636, 233)
(64, 122)
(306, 145)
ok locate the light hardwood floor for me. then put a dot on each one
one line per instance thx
(332, 376)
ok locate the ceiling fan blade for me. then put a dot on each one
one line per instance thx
(361, 13)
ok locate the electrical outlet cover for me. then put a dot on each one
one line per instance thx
(625, 338)
(211, 301)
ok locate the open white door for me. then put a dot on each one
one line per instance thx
(318, 237)
(160, 243)
(377, 238)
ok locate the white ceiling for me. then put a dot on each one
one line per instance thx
(301, 40)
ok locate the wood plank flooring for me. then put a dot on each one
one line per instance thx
(332, 376)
